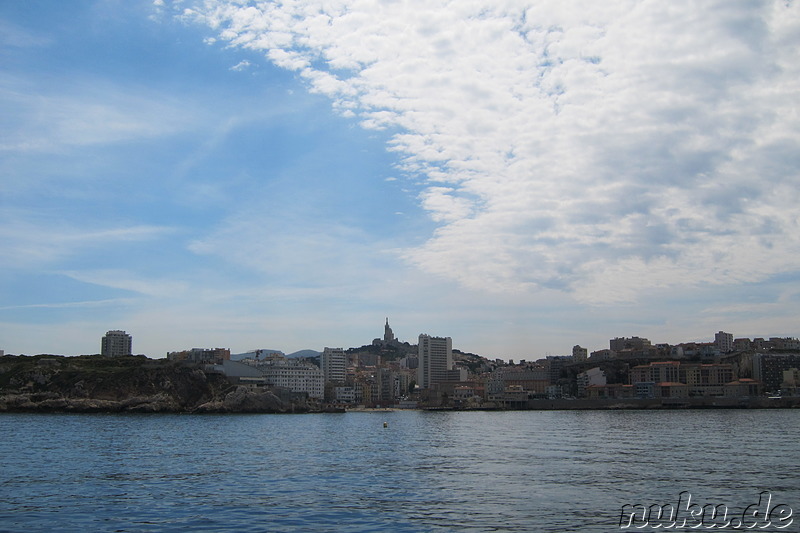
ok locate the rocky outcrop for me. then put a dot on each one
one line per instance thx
(88, 384)
(247, 400)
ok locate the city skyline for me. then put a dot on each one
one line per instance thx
(723, 341)
(522, 177)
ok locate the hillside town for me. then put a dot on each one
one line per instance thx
(431, 374)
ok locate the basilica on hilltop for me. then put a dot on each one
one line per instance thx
(388, 338)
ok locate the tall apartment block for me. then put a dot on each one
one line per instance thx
(724, 341)
(435, 359)
(334, 365)
(579, 353)
(116, 343)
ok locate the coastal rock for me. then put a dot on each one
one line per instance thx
(89, 384)
(246, 400)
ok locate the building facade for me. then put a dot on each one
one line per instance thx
(593, 376)
(297, 376)
(620, 344)
(116, 343)
(724, 341)
(435, 356)
(768, 368)
(579, 353)
(333, 362)
(699, 379)
(201, 355)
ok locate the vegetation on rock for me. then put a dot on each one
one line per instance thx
(92, 383)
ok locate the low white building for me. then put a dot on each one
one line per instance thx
(297, 376)
(593, 376)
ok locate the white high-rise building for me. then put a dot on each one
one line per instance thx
(724, 341)
(333, 362)
(116, 343)
(579, 353)
(435, 359)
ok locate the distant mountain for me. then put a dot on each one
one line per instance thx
(264, 352)
(252, 353)
(304, 353)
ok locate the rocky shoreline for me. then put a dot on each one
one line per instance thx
(94, 384)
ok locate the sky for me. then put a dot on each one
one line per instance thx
(519, 175)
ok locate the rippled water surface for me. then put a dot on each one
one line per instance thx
(426, 471)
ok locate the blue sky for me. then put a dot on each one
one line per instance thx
(522, 176)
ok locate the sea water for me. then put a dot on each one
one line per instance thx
(391, 470)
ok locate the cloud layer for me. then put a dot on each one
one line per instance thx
(598, 149)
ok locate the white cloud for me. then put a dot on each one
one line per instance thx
(30, 241)
(288, 250)
(241, 65)
(79, 113)
(600, 149)
(129, 281)
(69, 305)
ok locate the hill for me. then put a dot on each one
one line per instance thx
(91, 383)
(252, 354)
(307, 354)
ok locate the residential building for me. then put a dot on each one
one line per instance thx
(405, 378)
(201, 355)
(672, 390)
(116, 343)
(665, 371)
(645, 389)
(554, 365)
(724, 341)
(602, 355)
(333, 362)
(386, 387)
(554, 392)
(530, 379)
(512, 397)
(784, 343)
(435, 359)
(463, 394)
(743, 387)
(706, 380)
(593, 376)
(292, 374)
(345, 394)
(579, 354)
(620, 344)
(768, 368)
(742, 345)
(791, 380)
(699, 379)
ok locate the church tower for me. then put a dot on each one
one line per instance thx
(388, 335)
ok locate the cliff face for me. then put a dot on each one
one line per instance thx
(127, 384)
